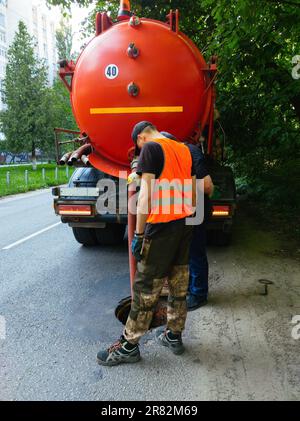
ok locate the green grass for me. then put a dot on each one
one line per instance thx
(35, 178)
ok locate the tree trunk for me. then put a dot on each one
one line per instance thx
(33, 157)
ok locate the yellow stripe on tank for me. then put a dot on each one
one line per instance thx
(136, 110)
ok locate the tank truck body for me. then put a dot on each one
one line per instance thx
(134, 69)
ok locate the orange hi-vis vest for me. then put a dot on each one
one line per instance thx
(172, 192)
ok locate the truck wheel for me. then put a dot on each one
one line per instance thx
(85, 236)
(220, 238)
(111, 235)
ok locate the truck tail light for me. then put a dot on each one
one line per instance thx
(221, 210)
(77, 210)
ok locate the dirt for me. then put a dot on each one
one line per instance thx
(247, 349)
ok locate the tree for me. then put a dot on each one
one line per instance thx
(62, 111)
(26, 120)
(64, 40)
(68, 3)
(258, 98)
(60, 96)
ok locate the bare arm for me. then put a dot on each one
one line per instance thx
(208, 186)
(144, 202)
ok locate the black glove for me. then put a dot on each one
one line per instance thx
(137, 245)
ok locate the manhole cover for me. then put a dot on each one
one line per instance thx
(266, 283)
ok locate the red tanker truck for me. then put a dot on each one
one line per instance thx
(135, 69)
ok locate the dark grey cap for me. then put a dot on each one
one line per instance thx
(138, 129)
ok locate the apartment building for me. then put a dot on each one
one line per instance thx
(41, 22)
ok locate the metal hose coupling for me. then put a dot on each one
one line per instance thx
(134, 177)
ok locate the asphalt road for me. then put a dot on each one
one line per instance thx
(58, 299)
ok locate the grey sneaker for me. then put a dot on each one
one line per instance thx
(119, 353)
(174, 342)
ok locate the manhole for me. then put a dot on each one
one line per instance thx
(159, 317)
(266, 283)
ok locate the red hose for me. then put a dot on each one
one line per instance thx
(131, 229)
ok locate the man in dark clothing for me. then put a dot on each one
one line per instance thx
(198, 285)
(198, 263)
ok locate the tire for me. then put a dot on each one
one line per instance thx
(85, 236)
(111, 235)
(219, 238)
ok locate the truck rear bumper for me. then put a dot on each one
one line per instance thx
(93, 220)
(224, 225)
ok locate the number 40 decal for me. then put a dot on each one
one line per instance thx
(111, 71)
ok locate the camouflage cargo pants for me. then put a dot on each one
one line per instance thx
(166, 254)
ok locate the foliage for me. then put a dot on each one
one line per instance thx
(60, 96)
(64, 40)
(68, 3)
(62, 114)
(258, 98)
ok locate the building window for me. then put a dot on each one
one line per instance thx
(1, 90)
(2, 52)
(2, 36)
(2, 69)
(45, 50)
(34, 13)
(36, 34)
(44, 26)
(2, 20)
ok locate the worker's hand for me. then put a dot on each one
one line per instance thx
(134, 178)
(137, 245)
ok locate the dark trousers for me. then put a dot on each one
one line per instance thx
(166, 254)
(198, 284)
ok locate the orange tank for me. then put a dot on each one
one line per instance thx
(132, 70)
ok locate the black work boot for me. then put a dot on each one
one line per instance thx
(121, 352)
(194, 302)
(172, 341)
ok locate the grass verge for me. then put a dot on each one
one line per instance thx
(36, 179)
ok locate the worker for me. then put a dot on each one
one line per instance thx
(198, 263)
(161, 243)
(199, 269)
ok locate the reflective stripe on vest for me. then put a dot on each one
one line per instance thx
(172, 196)
(177, 195)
